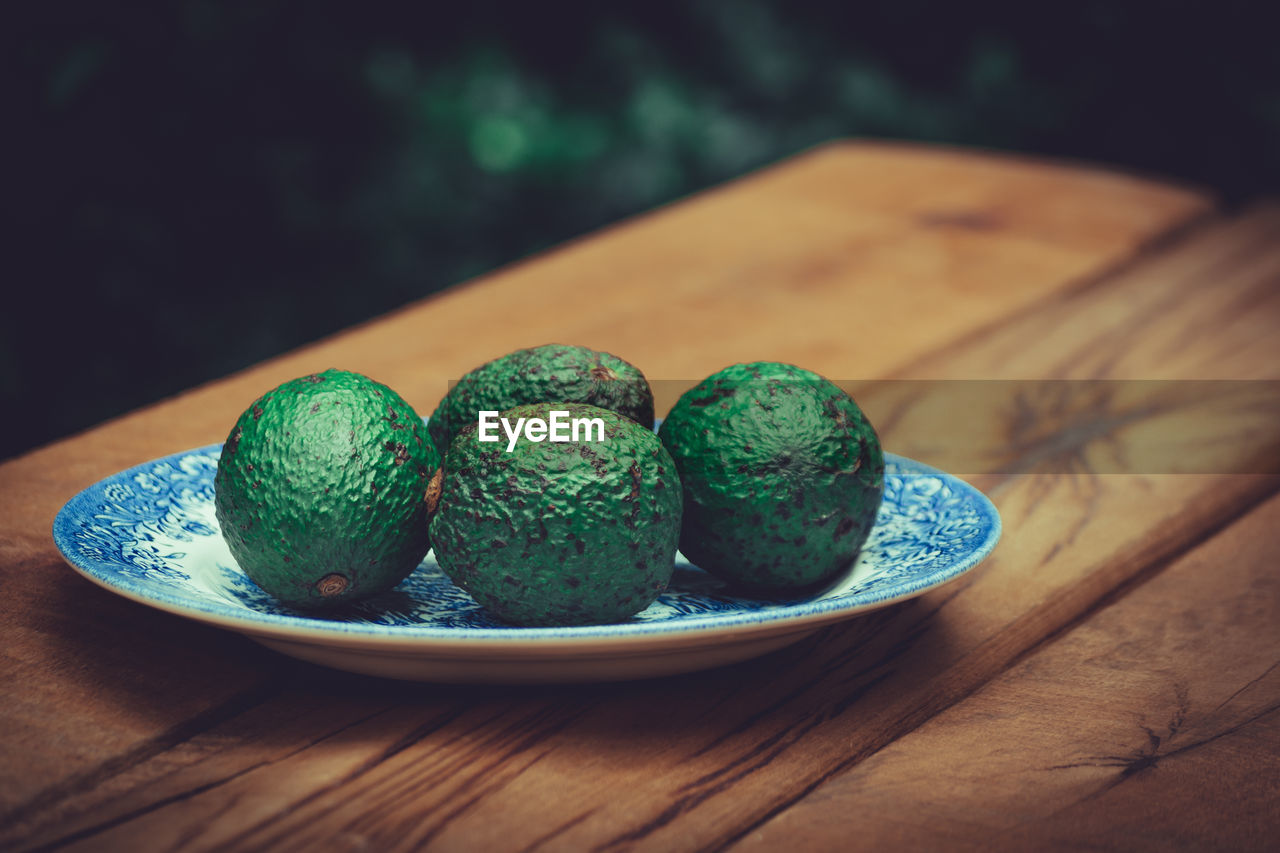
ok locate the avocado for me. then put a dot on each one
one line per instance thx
(320, 489)
(558, 532)
(551, 372)
(782, 475)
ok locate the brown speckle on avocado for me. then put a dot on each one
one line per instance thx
(257, 411)
(433, 492)
(715, 394)
(332, 584)
(234, 442)
(313, 378)
(603, 373)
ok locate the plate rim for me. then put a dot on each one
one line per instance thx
(702, 627)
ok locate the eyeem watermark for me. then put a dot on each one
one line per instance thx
(559, 428)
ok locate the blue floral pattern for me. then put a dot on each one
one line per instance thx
(151, 532)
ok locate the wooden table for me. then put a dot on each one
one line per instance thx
(1109, 678)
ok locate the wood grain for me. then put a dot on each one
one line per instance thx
(791, 263)
(1155, 725)
(694, 762)
(688, 764)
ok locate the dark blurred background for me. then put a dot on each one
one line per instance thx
(196, 186)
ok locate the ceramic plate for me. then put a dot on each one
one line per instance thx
(149, 534)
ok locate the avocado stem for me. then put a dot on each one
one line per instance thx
(332, 584)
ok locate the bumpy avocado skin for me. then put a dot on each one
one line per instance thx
(320, 489)
(560, 533)
(782, 474)
(540, 374)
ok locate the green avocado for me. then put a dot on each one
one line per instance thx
(782, 474)
(551, 372)
(320, 489)
(558, 533)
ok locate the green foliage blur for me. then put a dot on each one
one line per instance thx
(197, 186)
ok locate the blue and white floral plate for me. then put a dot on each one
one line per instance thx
(149, 534)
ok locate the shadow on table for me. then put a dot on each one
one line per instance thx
(167, 705)
(811, 683)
